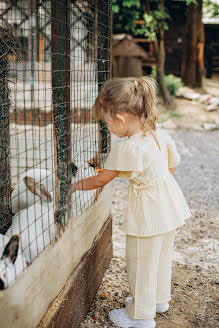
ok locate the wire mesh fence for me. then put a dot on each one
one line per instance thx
(54, 57)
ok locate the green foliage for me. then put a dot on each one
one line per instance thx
(150, 27)
(188, 2)
(173, 83)
(126, 12)
(153, 21)
(211, 8)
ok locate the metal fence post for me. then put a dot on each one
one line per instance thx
(6, 41)
(103, 59)
(60, 28)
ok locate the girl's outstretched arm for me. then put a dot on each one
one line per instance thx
(95, 181)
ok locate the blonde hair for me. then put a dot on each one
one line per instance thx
(130, 95)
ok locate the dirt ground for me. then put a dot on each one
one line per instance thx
(195, 276)
(191, 114)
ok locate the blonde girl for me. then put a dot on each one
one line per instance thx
(156, 205)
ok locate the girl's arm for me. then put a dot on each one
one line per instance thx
(172, 169)
(95, 181)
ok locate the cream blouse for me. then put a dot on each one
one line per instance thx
(156, 203)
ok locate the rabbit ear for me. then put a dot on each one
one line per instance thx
(11, 249)
(74, 168)
(45, 194)
(38, 189)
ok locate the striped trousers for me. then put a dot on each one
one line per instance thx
(149, 269)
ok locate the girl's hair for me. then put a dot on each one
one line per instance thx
(131, 95)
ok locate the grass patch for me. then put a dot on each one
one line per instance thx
(169, 114)
(210, 125)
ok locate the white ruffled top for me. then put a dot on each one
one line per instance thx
(156, 203)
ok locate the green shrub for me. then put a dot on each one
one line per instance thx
(173, 83)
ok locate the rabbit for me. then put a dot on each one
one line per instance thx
(82, 170)
(81, 200)
(22, 197)
(12, 261)
(35, 224)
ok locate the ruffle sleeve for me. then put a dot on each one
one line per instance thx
(173, 155)
(125, 156)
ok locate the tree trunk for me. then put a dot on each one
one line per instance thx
(160, 53)
(160, 49)
(192, 62)
(200, 45)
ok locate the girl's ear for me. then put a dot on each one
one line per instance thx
(120, 117)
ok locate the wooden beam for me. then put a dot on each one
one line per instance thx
(73, 303)
(143, 40)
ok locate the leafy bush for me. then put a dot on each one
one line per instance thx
(173, 83)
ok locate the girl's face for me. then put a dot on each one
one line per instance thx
(123, 124)
(117, 127)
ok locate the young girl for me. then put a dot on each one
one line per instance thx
(156, 205)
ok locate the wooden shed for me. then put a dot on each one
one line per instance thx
(211, 53)
(128, 56)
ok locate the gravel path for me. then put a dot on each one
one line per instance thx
(195, 277)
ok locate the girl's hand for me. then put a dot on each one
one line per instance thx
(96, 181)
(73, 187)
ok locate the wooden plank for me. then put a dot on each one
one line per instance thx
(144, 40)
(39, 117)
(41, 48)
(73, 302)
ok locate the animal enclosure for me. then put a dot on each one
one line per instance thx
(54, 57)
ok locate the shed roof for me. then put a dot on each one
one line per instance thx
(128, 48)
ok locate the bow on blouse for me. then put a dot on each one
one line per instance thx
(149, 187)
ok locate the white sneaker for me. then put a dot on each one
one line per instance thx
(121, 319)
(160, 307)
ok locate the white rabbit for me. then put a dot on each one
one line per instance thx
(81, 200)
(35, 225)
(12, 262)
(22, 197)
(82, 170)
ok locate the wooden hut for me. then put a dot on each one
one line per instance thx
(211, 54)
(128, 57)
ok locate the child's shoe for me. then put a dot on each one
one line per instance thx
(160, 307)
(121, 319)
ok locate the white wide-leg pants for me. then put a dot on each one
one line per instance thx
(149, 269)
